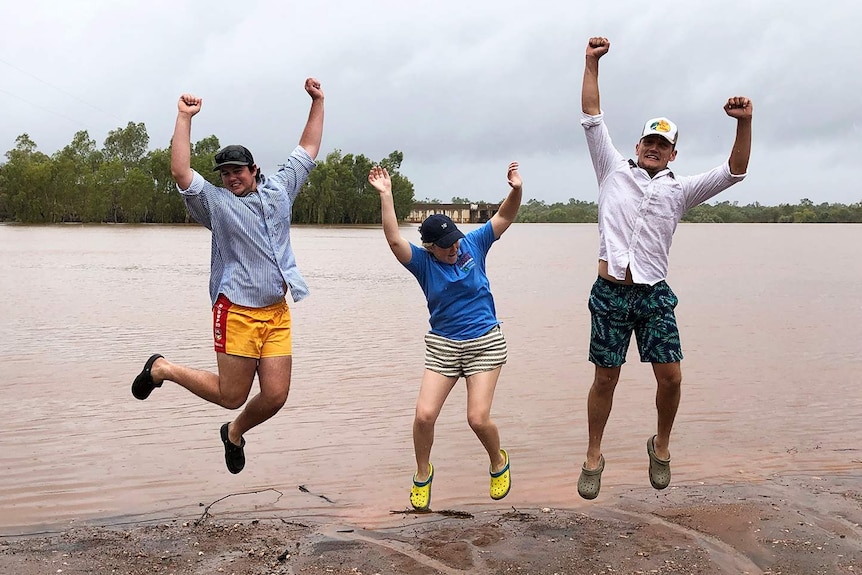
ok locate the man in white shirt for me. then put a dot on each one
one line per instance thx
(640, 203)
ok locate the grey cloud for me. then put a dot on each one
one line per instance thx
(461, 88)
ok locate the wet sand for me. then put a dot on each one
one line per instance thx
(786, 525)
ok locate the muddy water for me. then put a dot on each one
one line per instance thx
(770, 315)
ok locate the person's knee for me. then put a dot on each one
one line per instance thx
(233, 395)
(424, 416)
(605, 381)
(274, 400)
(478, 420)
(234, 386)
(669, 382)
(233, 401)
(273, 393)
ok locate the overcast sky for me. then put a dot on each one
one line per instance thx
(460, 87)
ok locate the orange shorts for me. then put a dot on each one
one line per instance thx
(252, 331)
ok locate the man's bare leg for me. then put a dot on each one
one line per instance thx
(599, 403)
(668, 391)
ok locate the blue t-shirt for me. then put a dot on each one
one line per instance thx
(459, 295)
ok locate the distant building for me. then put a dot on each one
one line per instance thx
(460, 213)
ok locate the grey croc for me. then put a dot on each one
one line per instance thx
(659, 469)
(590, 481)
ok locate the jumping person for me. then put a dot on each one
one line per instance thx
(640, 203)
(252, 267)
(465, 337)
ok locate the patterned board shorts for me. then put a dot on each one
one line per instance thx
(252, 331)
(454, 358)
(617, 310)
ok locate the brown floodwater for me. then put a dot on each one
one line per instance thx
(771, 323)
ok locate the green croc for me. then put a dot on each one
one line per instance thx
(590, 481)
(420, 493)
(501, 481)
(659, 469)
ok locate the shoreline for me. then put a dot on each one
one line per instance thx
(791, 524)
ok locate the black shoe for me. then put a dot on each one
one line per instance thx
(234, 457)
(143, 385)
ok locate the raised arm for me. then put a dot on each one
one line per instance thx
(181, 161)
(596, 48)
(742, 109)
(313, 132)
(379, 179)
(509, 208)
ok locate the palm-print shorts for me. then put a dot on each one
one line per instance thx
(617, 310)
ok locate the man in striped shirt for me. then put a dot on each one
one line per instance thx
(252, 268)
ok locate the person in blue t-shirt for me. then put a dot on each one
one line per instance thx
(465, 337)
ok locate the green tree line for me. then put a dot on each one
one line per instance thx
(806, 211)
(123, 182)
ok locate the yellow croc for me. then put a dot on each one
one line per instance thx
(501, 482)
(420, 493)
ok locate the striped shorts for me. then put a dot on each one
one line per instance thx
(454, 358)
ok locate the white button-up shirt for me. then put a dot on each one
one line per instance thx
(638, 214)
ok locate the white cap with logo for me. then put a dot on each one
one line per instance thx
(661, 127)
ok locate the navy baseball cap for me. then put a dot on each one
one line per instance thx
(233, 156)
(440, 230)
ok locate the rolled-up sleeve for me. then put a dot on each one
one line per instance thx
(700, 188)
(602, 152)
(294, 173)
(196, 201)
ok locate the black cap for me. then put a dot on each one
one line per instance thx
(440, 230)
(233, 156)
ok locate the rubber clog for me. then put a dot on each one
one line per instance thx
(234, 455)
(420, 493)
(590, 481)
(501, 481)
(659, 469)
(144, 385)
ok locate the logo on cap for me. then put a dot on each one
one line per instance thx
(660, 126)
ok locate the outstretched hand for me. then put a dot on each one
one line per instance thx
(189, 104)
(312, 86)
(513, 176)
(598, 46)
(379, 179)
(739, 107)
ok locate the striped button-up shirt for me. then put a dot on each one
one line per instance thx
(252, 262)
(638, 214)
